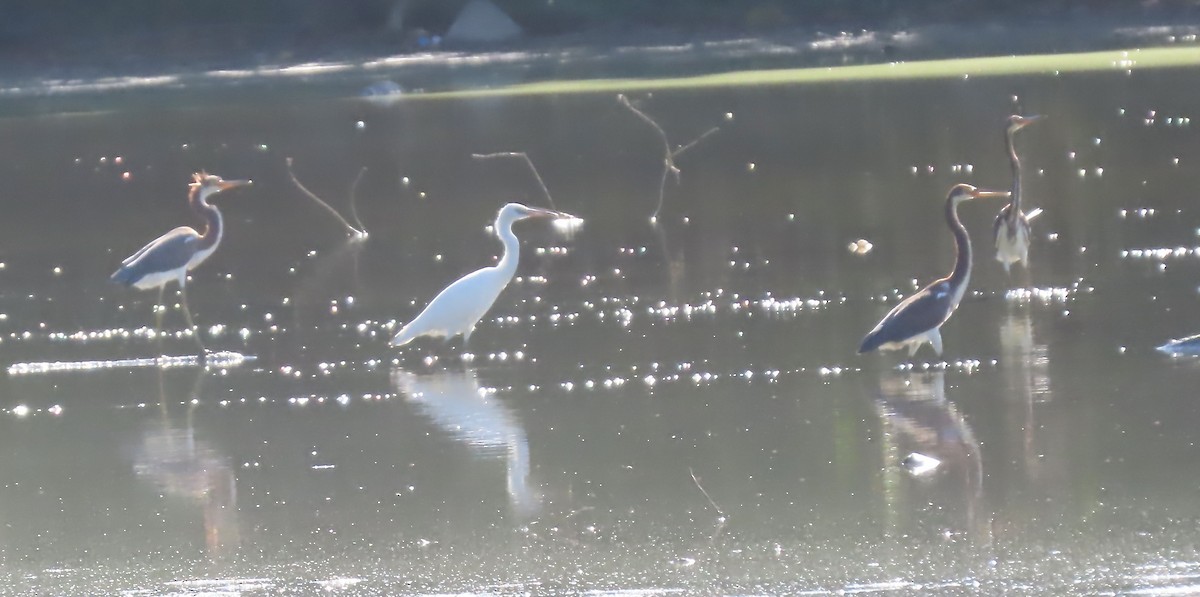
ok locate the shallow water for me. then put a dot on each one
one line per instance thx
(646, 410)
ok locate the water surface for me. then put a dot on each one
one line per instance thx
(647, 409)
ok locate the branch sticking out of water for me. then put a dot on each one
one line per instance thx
(669, 167)
(359, 232)
(714, 505)
(528, 162)
(354, 201)
(695, 142)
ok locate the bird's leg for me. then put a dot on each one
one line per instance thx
(158, 313)
(187, 314)
(935, 340)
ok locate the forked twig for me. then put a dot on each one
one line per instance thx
(695, 142)
(669, 167)
(351, 229)
(528, 162)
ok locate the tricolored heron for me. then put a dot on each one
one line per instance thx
(918, 318)
(462, 304)
(1011, 228)
(171, 256)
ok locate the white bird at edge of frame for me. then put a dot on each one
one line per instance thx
(457, 308)
(918, 319)
(171, 256)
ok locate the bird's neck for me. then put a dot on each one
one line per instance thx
(512, 248)
(962, 245)
(1015, 163)
(212, 220)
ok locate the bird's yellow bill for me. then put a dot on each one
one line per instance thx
(984, 193)
(225, 185)
(537, 212)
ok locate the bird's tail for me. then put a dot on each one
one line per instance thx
(124, 276)
(405, 336)
(872, 341)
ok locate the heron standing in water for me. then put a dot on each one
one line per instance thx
(457, 308)
(171, 256)
(1011, 228)
(919, 318)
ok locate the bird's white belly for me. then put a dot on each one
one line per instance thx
(1011, 248)
(157, 279)
(913, 343)
(904, 344)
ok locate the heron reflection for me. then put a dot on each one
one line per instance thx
(471, 415)
(179, 464)
(922, 425)
(1026, 374)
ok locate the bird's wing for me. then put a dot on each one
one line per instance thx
(1001, 218)
(168, 252)
(166, 239)
(1022, 220)
(457, 308)
(914, 315)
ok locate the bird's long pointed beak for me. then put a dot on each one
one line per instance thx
(538, 212)
(225, 185)
(1028, 120)
(984, 193)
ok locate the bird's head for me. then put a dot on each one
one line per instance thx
(208, 184)
(515, 211)
(1017, 122)
(966, 192)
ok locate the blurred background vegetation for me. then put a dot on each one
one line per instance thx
(538, 17)
(141, 30)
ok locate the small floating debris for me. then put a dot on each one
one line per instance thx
(918, 464)
(382, 92)
(221, 360)
(861, 246)
(1183, 347)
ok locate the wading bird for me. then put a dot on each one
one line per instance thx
(918, 318)
(1011, 229)
(460, 306)
(171, 256)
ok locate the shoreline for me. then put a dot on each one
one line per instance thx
(569, 60)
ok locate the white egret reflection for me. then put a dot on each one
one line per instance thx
(475, 416)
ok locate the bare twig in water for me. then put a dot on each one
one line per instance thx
(714, 505)
(351, 229)
(695, 142)
(669, 167)
(528, 162)
(354, 201)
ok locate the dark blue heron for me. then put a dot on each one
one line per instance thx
(1011, 228)
(171, 256)
(918, 318)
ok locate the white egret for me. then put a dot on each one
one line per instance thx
(462, 304)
